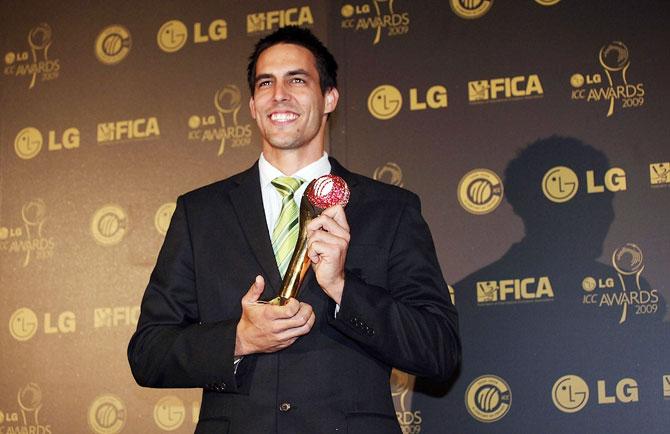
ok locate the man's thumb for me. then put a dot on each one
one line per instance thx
(255, 290)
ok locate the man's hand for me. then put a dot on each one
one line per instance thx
(328, 243)
(266, 328)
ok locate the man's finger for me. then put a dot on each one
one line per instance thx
(337, 213)
(330, 225)
(255, 291)
(300, 318)
(295, 332)
(328, 238)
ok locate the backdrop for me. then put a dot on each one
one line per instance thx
(535, 132)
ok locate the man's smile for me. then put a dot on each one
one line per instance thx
(283, 117)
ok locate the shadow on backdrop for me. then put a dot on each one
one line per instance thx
(548, 307)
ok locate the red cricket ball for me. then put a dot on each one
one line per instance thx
(328, 190)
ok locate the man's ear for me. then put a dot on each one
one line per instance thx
(330, 100)
(252, 108)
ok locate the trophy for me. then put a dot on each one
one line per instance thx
(323, 192)
(627, 261)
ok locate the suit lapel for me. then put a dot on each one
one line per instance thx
(355, 193)
(248, 204)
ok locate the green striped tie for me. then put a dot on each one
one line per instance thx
(285, 233)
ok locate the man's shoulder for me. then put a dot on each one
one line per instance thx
(377, 190)
(221, 187)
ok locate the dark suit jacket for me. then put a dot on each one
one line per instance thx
(395, 312)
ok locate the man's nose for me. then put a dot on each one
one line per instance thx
(280, 92)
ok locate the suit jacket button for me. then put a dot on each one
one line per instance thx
(285, 406)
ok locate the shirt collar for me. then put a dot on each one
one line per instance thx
(312, 171)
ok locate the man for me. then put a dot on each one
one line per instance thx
(373, 299)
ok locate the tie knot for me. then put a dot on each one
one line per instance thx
(286, 185)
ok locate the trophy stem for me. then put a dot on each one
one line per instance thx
(297, 268)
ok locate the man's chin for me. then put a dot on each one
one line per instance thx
(284, 144)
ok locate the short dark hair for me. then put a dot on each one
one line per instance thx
(325, 62)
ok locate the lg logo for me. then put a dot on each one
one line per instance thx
(571, 393)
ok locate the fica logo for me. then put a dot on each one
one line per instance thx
(382, 18)
(505, 89)
(385, 101)
(271, 20)
(127, 130)
(35, 61)
(659, 174)
(514, 291)
(224, 126)
(628, 296)
(117, 316)
(173, 35)
(618, 90)
(560, 183)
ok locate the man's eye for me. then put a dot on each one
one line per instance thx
(297, 80)
(264, 83)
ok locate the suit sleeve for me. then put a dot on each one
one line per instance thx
(411, 324)
(171, 347)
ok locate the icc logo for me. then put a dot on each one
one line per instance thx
(109, 225)
(488, 398)
(389, 173)
(470, 9)
(480, 191)
(107, 414)
(113, 44)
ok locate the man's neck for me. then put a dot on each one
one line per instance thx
(289, 161)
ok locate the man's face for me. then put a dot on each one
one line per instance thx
(287, 102)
